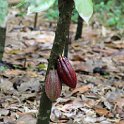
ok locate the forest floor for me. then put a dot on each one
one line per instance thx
(98, 59)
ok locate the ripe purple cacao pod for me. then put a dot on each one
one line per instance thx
(66, 72)
(53, 85)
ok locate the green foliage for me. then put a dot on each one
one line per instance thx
(22, 3)
(110, 13)
(52, 13)
(84, 8)
(34, 6)
(40, 5)
(41, 67)
(74, 17)
(3, 68)
(3, 11)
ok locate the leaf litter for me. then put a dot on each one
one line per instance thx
(99, 95)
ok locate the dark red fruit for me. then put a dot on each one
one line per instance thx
(66, 72)
(53, 85)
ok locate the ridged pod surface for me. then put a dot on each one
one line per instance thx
(66, 72)
(53, 85)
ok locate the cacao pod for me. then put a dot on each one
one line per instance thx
(53, 85)
(66, 72)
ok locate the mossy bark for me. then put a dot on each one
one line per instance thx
(61, 34)
(2, 41)
(79, 28)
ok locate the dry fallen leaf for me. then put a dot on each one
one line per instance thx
(16, 72)
(78, 57)
(4, 112)
(26, 119)
(32, 74)
(102, 111)
(82, 89)
(120, 102)
(116, 44)
(120, 122)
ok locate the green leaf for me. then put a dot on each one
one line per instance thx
(22, 2)
(3, 11)
(40, 5)
(41, 66)
(84, 8)
(3, 68)
(112, 22)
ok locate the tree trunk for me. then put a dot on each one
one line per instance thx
(61, 36)
(79, 28)
(35, 21)
(2, 41)
(66, 47)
